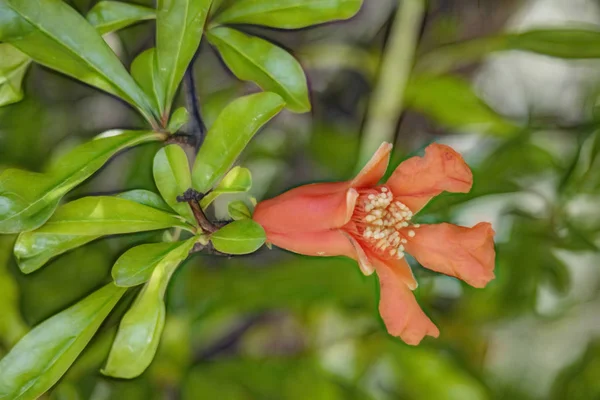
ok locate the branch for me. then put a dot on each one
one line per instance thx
(192, 197)
(386, 102)
(197, 128)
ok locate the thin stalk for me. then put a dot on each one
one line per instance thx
(197, 128)
(385, 107)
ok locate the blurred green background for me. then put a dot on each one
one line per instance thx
(279, 326)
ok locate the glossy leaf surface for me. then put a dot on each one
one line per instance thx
(238, 180)
(230, 134)
(13, 66)
(28, 199)
(269, 66)
(179, 28)
(239, 237)
(288, 14)
(57, 36)
(110, 16)
(38, 361)
(141, 327)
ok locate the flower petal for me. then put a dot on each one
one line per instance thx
(301, 210)
(399, 309)
(418, 179)
(465, 253)
(360, 255)
(323, 243)
(372, 173)
(400, 268)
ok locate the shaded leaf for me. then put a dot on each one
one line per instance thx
(135, 266)
(179, 118)
(12, 326)
(57, 36)
(239, 237)
(38, 361)
(288, 14)
(451, 102)
(34, 249)
(141, 327)
(238, 180)
(13, 66)
(179, 28)
(238, 210)
(105, 215)
(110, 16)
(143, 70)
(172, 176)
(28, 199)
(230, 134)
(269, 66)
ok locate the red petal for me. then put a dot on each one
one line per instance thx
(399, 309)
(466, 253)
(372, 173)
(307, 209)
(400, 268)
(323, 243)
(418, 179)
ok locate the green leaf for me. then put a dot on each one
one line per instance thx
(269, 66)
(141, 327)
(563, 43)
(179, 118)
(34, 249)
(238, 180)
(38, 361)
(173, 178)
(239, 210)
(239, 237)
(451, 102)
(146, 198)
(179, 28)
(230, 134)
(57, 36)
(288, 14)
(12, 326)
(135, 266)
(105, 215)
(13, 66)
(143, 70)
(28, 199)
(110, 16)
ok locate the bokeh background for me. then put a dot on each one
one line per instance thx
(279, 326)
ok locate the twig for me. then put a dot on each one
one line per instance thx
(192, 197)
(386, 102)
(197, 127)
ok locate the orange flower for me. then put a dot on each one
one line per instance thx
(371, 223)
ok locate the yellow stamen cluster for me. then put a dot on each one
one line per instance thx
(383, 220)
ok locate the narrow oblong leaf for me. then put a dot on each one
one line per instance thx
(143, 70)
(239, 237)
(230, 134)
(269, 66)
(38, 360)
(28, 199)
(58, 37)
(172, 177)
(288, 14)
(451, 102)
(34, 249)
(179, 29)
(238, 180)
(563, 43)
(110, 16)
(104, 215)
(13, 66)
(140, 329)
(239, 210)
(135, 266)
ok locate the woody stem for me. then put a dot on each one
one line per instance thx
(385, 106)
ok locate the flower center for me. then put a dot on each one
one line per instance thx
(379, 220)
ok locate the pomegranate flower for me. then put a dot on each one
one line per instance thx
(372, 224)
